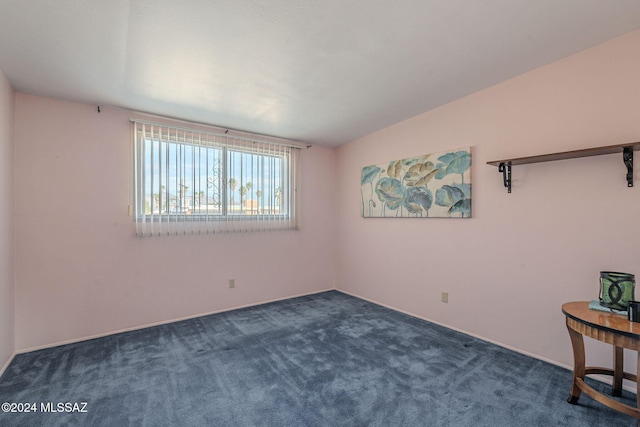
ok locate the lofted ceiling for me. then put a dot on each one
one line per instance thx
(322, 72)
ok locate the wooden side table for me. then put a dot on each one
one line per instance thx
(613, 329)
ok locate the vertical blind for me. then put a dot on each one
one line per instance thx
(194, 182)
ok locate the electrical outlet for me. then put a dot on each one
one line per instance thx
(232, 283)
(444, 297)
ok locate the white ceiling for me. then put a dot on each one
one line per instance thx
(323, 71)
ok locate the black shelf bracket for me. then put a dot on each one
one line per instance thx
(627, 158)
(505, 169)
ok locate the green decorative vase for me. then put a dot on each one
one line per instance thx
(616, 289)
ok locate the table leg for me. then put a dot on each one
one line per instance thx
(577, 343)
(618, 371)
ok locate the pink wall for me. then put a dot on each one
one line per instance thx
(80, 272)
(7, 342)
(509, 268)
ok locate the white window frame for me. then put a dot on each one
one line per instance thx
(159, 148)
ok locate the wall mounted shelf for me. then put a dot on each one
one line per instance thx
(504, 166)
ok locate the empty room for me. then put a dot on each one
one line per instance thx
(337, 213)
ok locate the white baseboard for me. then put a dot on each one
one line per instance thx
(164, 322)
(6, 365)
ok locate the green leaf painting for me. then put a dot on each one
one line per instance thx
(431, 185)
(456, 197)
(391, 192)
(369, 173)
(418, 200)
(456, 162)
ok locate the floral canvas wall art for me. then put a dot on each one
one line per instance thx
(432, 185)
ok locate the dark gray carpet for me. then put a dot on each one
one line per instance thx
(322, 360)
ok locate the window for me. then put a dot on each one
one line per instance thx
(193, 182)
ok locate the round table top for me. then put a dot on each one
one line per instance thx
(579, 311)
